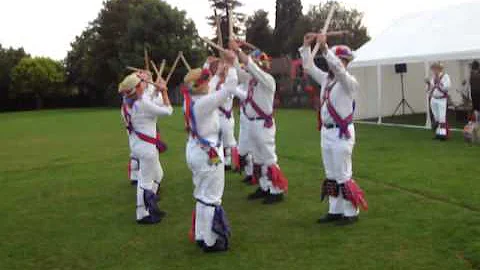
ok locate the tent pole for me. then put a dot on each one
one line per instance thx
(428, 121)
(379, 94)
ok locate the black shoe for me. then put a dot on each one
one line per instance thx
(248, 180)
(218, 247)
(200, 243)
(258, 194)
(228, 168)
(134, 182)
(328, 218)
(149, 220)
(345, 221)
(161, 214)
(273, 198)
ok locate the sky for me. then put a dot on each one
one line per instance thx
(47, 27)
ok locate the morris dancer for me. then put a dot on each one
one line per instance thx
(475, 89)
(227, 119)
(133, 163)
(258, 109)
(204, 156)
(337, 130)
(140, 118)
(244, 142)
(438, 87)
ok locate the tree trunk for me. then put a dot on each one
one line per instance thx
(39, 101)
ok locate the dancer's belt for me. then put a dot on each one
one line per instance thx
(332, 126)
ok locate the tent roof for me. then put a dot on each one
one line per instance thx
(438, 35)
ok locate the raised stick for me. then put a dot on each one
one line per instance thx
(209, 42)
(230, 25)
(145, 58)
(185, 61)
(136, 69)
(338, 33)
(219, 32)
(162, 67)
(157, 72)
(324, 30)
(173, 68)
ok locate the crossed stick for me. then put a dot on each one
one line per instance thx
(324, 30)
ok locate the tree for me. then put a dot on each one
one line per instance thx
(221, 10)
(117, 38)
(39, 76)
(288, 12)
(259, 32)
(9, 58)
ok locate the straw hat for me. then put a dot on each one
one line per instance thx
(198, 80)
(437, 65)
(129, 83)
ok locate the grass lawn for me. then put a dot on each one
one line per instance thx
(419, 119)
(66, 203)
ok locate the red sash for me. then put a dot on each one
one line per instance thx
(342, 123)
(268, 118)
(437, 84)
(157, 141)
(226, 113)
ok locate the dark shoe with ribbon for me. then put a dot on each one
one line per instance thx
(273, 198)
(218, 247)
(329, 218)
(346, 221)
(200, 243)
(149, 220)
(247, 180)
(258, 194)
(150, 200)
(134, 183)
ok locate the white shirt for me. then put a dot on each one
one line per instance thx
(264, 92)
(144, 113)
(342, 93)
(445, 85)
(206, 107)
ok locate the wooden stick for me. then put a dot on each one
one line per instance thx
(185, 61)
(324, 30)
(209, 42)
(145, 58)
(219, 31)
(136, 69)
(230, 26)
(157, 72)
(162, 67)
(173, 68)
(338, 33)
(155, 69)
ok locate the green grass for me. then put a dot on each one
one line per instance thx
(419, 119)
(66, 204)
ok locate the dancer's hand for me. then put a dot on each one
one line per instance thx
(308, 39)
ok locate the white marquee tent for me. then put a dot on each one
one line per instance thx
(450, 35)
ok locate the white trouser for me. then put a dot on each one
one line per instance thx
(337, 161)
(264, 152)
(133, 168)
(209, 182)
(227, 127)
(439, 111)
(150, 176)
(244, 144)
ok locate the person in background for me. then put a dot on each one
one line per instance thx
(438, 86)
(475, 89)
